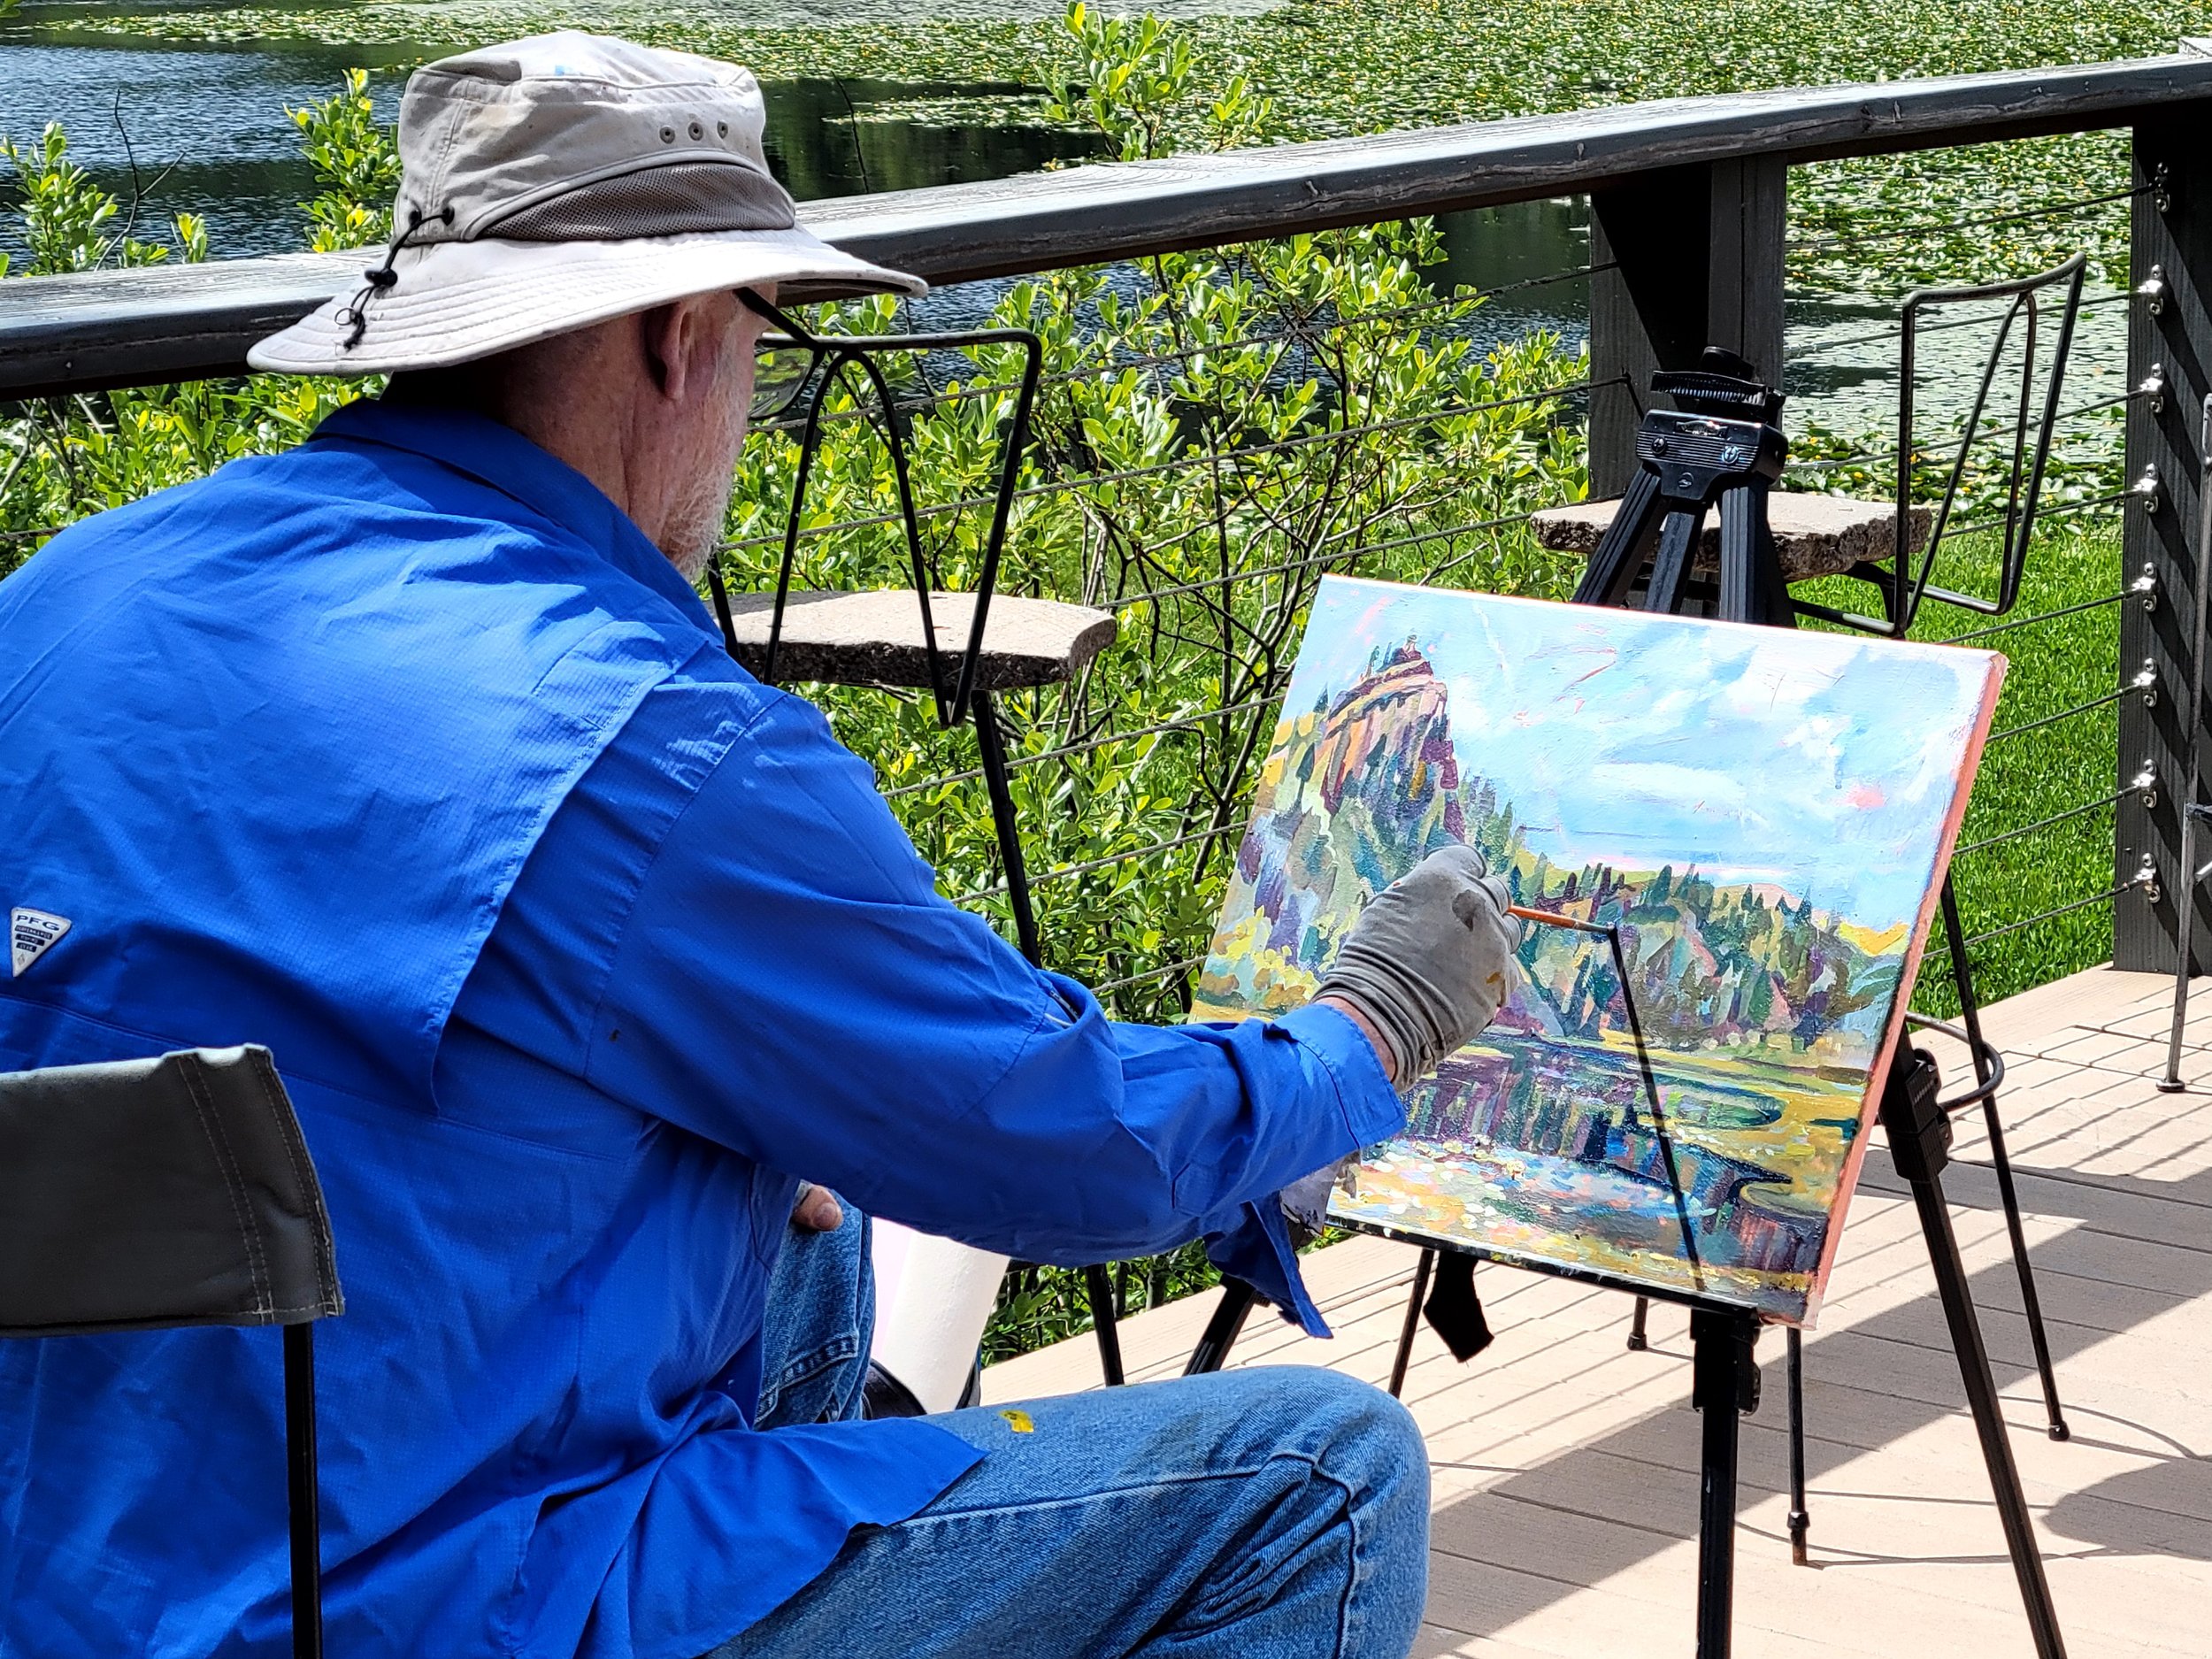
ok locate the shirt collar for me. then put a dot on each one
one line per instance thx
(502, 457)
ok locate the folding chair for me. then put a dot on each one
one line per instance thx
(143, 1195)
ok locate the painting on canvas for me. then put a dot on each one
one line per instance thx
(1761, 814)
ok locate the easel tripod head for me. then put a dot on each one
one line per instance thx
(1719, 445)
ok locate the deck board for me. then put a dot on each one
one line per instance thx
(1563, 1466)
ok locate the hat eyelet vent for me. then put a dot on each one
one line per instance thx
(668, 135)
(722, 129)
(697, 132)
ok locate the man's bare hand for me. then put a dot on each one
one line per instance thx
(816, 1209)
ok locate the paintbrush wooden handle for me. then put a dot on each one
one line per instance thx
(1548, 917)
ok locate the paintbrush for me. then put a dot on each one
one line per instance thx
(1552, 919)
(1612, 937)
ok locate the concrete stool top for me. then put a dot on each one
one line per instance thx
(1815, 535)
(873, 637)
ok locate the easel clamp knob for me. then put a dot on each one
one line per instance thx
(1919, 1129)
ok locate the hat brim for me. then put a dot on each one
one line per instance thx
(458, 301)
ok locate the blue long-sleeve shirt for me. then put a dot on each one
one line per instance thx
(710, 966)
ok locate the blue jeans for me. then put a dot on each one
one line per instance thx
(1274, 1514)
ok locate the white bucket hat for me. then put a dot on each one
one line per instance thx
(554, 183)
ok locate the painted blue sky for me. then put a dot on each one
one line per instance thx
(1824, 764)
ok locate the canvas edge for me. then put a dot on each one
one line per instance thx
(1913, 648)
(1961, 795)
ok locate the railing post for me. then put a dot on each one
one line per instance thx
(1696, 255)
(2169, 325)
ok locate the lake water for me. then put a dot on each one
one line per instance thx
(205, 130)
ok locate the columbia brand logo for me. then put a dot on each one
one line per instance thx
(32, 933)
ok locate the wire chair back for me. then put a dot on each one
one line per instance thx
(829, 358)
(1906, 581)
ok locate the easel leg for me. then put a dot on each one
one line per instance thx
(1725, 1385)
(2186, 882)
(2055, 1426)
(1637, 1342)
(991, 748)
(2031, 1305)
(1800, 1522)
(1100, 1289)
(304, 1492)
(1919, 1142)
(1413, 1323)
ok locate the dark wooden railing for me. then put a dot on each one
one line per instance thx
(1689, 203)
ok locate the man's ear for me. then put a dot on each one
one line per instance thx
(668, 336)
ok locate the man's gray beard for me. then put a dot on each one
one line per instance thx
(694, 530)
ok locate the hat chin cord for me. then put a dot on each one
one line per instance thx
(378, 279)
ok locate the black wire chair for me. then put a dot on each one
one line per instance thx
(1899, 583)
(956, 685)
(145, 1195)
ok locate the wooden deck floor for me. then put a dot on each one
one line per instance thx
(1565, 1466)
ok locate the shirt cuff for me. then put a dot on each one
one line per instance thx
(1372, 1111)
(1252, 1241)
(1253, 1245)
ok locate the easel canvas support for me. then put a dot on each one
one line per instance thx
(1663, 518)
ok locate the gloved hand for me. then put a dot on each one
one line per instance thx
(1306, 1201)
(1427, 965)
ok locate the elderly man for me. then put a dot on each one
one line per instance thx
(412, 753)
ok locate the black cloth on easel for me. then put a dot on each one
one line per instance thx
(1453, 1309)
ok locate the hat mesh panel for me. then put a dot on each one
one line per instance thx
(674, 200)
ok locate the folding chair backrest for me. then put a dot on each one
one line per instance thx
(142, 1193)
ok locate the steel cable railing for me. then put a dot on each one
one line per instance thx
(1895, 332)
(1989, 866)
(1109, 860)
(1948, 451)
(2072, 812)
(1942, 952)
(1161, 972)
(1897, 233)
(2009, 623)
(1196, 458)
(1063, 751)
(1302, 335)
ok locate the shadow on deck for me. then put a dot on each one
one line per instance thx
(1565, 1467)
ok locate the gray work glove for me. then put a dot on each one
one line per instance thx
(1306, 1201)
(1429, 961)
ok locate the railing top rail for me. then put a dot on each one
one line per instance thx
(145, 326)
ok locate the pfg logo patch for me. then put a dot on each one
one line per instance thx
(32, 933)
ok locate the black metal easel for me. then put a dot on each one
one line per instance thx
(1720, 446)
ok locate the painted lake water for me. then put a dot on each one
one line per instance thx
(1550, 1151)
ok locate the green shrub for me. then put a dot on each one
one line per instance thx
(357, 163)
(64, 458)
